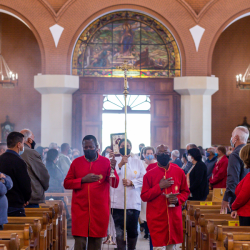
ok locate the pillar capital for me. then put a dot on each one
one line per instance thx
(196, 112)
(56, 91)
(56, 84)
(196, 85)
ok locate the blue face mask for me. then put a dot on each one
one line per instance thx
(149, 157)
(21, 152)
(207, 154)
(216, 154)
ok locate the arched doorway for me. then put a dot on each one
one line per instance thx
(231, 56)
(20, 49)
(151, 49)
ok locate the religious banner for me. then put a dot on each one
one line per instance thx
(115, 139)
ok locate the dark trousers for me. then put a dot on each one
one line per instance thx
(32, 205)
(244, 221)
(16, 212)
(82, 242)
(132, 222)
(1, 227)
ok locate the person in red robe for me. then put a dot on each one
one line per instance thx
(88, 176)
(164, 222)
(219, 174)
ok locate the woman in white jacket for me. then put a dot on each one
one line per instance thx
(135, 173)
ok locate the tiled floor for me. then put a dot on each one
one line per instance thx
(142, 244)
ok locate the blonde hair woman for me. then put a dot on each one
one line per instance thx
(241, 205)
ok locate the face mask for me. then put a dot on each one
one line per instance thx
(216, 154)
(69, 152)
(190, 158)
(207, 154)
(33, 144)
(21, 152)
(140, 149)
(163, 159)
(75, 156)
(90, 154)
(122, 151)
(231, 142)
(149, 157)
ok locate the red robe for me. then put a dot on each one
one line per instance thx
(219, 174)
(151, 166)
(164, 223)
(90, 206)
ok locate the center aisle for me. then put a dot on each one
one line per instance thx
(142, 244)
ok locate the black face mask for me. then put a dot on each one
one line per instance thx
(163, 159)
(122, 151)
(33, 144)
(90, 154)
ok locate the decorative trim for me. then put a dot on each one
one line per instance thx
(57, 15)
(56, 31)
(197, 33)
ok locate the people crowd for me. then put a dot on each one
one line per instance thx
(157, 183)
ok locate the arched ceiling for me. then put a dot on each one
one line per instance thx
(197, 5)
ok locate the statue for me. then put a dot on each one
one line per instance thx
(6, 128)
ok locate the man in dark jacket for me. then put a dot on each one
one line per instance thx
(37, 171)
(212, 158)
(175, 156)
(12, 165)
(235, 171)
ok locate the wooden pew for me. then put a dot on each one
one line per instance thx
(221, 232)
(52, 226)
(62, 221)
(45, 225)
(218, 194)
(235, 241)
(35, 236)
(206, 229)
(13, 243)
(245, 247)
(24, 235)
(192, 221)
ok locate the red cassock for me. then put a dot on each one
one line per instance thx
(219, 175)
(164, 223)
(242, 201)
(90, 207)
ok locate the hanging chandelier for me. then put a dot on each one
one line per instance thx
(243, 82)
(8, 79)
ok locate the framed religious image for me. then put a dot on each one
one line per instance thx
(115, 139)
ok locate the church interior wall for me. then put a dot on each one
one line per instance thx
(21, 51)
(230, 57)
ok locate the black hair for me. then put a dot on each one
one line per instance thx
(122, 140)
(195, 153)
(13, 138)
(40, 150)
(185, 156)
(64, 146)
(90, 137)
(142, 144)
(201, 150)
(104, 151)
(51, 155)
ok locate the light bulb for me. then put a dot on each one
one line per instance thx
(237, 78)
(16, 76)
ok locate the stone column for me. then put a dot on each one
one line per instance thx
(196, 115)
(56, 105)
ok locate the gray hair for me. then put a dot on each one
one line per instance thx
(27, 133)
(191, 145)
(53, 145)
(176, 153)
(212, 150)
(243, 133)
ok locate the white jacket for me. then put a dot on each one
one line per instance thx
(135, 173)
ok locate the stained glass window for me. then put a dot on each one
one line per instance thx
(135, 104)
(125, 35)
